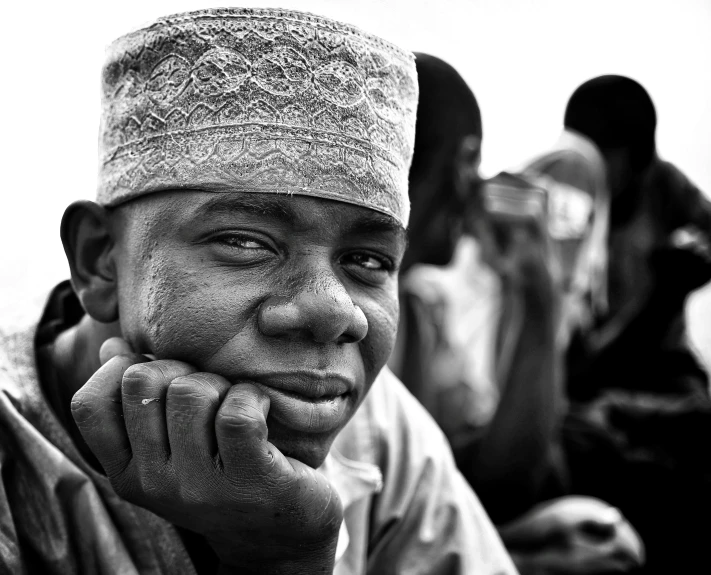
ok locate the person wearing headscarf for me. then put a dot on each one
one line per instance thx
(209, 394)
(640, 407)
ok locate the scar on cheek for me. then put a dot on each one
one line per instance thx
(147, 401)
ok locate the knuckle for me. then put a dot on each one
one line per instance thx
(136, 377)
(183, 397)
(195, 385)
(239, 420)
(82, 406)
(190, 396)
(156, 374)
(85, 407)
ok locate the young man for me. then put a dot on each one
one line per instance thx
(447, 327)
(207, 394)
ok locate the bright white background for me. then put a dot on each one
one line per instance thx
(522, 58)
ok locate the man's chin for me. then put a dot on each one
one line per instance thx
(310, 449)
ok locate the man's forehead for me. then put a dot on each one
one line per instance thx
(292, 209)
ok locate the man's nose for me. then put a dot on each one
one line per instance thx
(318, 308)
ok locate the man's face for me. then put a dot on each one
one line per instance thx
(440, 199)
(435, 224)
(440, 237)
(297, 295)
(619, 172)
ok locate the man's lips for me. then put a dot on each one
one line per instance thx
(307, 402)
(310, 385)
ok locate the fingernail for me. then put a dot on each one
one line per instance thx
(112, 347)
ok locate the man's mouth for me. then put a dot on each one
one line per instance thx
(307, 402)
(310, 385)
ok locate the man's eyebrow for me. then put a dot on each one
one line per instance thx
(262, 205)
(376, 223)
(278, 208)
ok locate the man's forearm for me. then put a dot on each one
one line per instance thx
(514, 451)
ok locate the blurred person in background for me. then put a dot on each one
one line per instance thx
(640, 413)
(447, 142)
(654, 249)
(476, 342)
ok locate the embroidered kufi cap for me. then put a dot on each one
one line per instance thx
(258, 100)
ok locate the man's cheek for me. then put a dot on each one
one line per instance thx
(382, 330)
(192, 323)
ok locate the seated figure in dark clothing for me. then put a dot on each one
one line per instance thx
(640, 408)
(659, 232)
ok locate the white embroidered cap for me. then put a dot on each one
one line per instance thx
(258, 100)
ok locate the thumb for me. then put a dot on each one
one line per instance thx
(112, 347)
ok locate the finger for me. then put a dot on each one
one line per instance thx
(144, 390)
(241, 428)
(112, 347)
(98, 413)
(192, 403)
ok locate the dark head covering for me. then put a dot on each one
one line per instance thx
(615, 112)
(447, 111)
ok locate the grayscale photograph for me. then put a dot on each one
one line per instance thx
(356, 287)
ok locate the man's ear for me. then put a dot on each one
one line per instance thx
(88, 238)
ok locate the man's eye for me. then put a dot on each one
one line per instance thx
(241, 242)
(369, 262)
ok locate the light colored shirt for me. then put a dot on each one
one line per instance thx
(458, 309)
(406, 507)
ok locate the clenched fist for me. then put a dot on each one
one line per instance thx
(194, 449)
